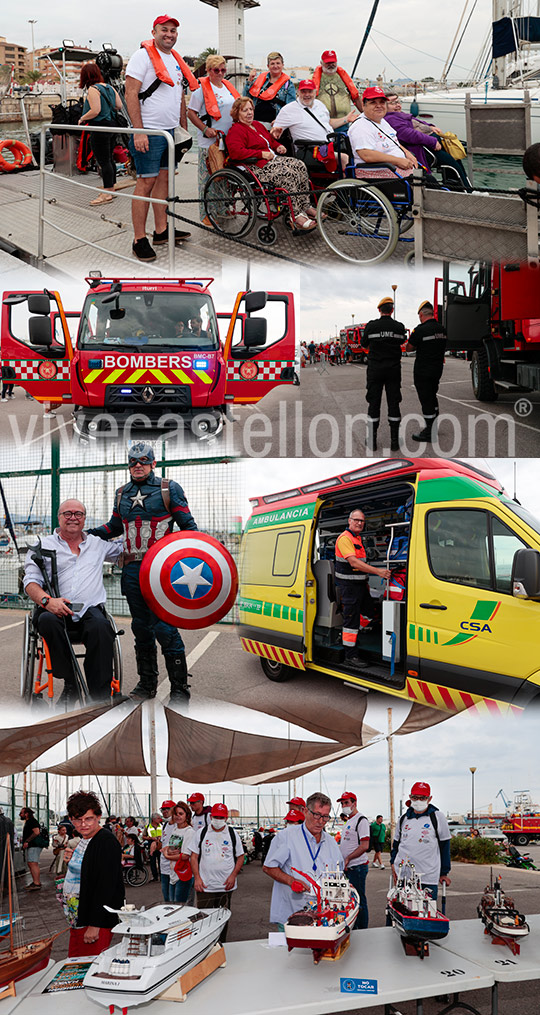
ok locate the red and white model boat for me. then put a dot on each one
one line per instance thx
(326, 921)
(500, 917)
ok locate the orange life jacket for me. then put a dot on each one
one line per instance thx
(272, 90)
(210, 100)
(160, 69)
(347, 81)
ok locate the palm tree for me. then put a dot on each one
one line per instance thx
(200, 60)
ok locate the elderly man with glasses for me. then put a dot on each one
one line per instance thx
(145, 509)
(79, 564)
(306, 847)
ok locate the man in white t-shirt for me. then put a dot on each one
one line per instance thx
(354, 846)
(200, 815)
(216, 863)
(422, 838)
(163, 109)
(372, 139)
(308, 119)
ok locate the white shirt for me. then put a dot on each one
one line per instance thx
(166, 832)
(199, 821)
(183, 839)
(357, 828)
(363, 133)
(296, 847)
(162, 108)
(224, 100)
(217, 860)
(80, 576)
(301, 125)
(418, 844)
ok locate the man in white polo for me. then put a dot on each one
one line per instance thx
(308, 119)
(308, 848)
(354, 845)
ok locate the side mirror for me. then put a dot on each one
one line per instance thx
(39, 303)
(254, 331)
(526, 574)
(40, 330)
(255, 301)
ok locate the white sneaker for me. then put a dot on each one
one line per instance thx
(382, 867)
(4, 399)
(375, 865)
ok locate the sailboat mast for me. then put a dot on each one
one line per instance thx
(10, 875)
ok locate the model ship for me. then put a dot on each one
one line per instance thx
(154, 948)
(19, 959)
(414, 912)
(325, 923)
(500, 917)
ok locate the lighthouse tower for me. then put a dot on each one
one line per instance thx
(231, 30)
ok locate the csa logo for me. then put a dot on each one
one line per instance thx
(483, 612)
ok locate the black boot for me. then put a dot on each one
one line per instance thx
(178, 676)
(425, 434)
(394, 436)
(371, 436)
(147, 668)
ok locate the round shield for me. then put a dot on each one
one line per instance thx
(189, 579)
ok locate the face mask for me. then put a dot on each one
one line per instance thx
(218, 823)
(419, 805)
(346, 811)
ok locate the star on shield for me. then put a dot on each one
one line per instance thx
(191, 577)
(138, 499)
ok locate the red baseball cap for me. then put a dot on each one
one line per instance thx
(374, 93)
(296, 801)
(307, 85)
(329, 56)
(421, 789)
(294, 817)
(163, 19)
(346, 796)
(220, 811)
(168, 803)
(195, 797)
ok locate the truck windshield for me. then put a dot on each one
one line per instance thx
(172, 321)
(525, 515)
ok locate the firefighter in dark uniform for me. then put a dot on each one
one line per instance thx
(383, 339)
(351, 572)
(429, 342)
(146, 509)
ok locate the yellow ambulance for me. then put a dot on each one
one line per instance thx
(458, 624)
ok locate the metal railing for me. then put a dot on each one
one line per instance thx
(76, 128)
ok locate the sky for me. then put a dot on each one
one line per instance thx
(408, 39)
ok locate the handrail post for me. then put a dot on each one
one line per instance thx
(41, 189)
(171, 167)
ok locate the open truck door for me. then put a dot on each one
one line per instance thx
(259, 349)
(37, 347)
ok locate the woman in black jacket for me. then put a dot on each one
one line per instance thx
(93, 879)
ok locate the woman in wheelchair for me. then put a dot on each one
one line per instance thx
(249, 141)
(373, 140)
(420, 135)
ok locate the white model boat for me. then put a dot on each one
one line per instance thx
(328, 918)
(414, 912)
(500, 917)
(155, 947)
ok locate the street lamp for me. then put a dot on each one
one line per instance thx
(352, 315)
(394, 287)
(32, 23)
(472, 771)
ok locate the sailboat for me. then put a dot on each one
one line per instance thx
(19, 959)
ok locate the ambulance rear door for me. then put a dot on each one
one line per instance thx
(259, 355)
(37, 348)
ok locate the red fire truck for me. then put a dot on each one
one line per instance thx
(495, 319)
(353, 338)
(521, 829)
(148, 352)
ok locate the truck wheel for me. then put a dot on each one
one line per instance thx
(522, 840)
(483, 387)
(275, 671)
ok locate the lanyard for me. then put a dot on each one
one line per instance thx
(313, 856)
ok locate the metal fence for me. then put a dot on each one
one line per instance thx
(214, 488)
(503, 129)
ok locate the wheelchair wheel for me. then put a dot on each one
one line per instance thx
(357, 222)
(229, 203)
(267, 234)
(117, 658)
(136, 876)
(28, 661)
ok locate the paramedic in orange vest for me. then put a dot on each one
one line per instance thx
(351, 572)
(335, 88)
(270, 90)
(209, 111)
(155, 99)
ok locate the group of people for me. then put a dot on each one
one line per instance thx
(253, 124)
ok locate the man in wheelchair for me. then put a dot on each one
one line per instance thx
(374, 141)
(64, 578)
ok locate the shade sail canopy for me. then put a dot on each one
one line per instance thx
(21, 745)
(119, 752)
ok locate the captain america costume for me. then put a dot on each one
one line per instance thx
(146, 510)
